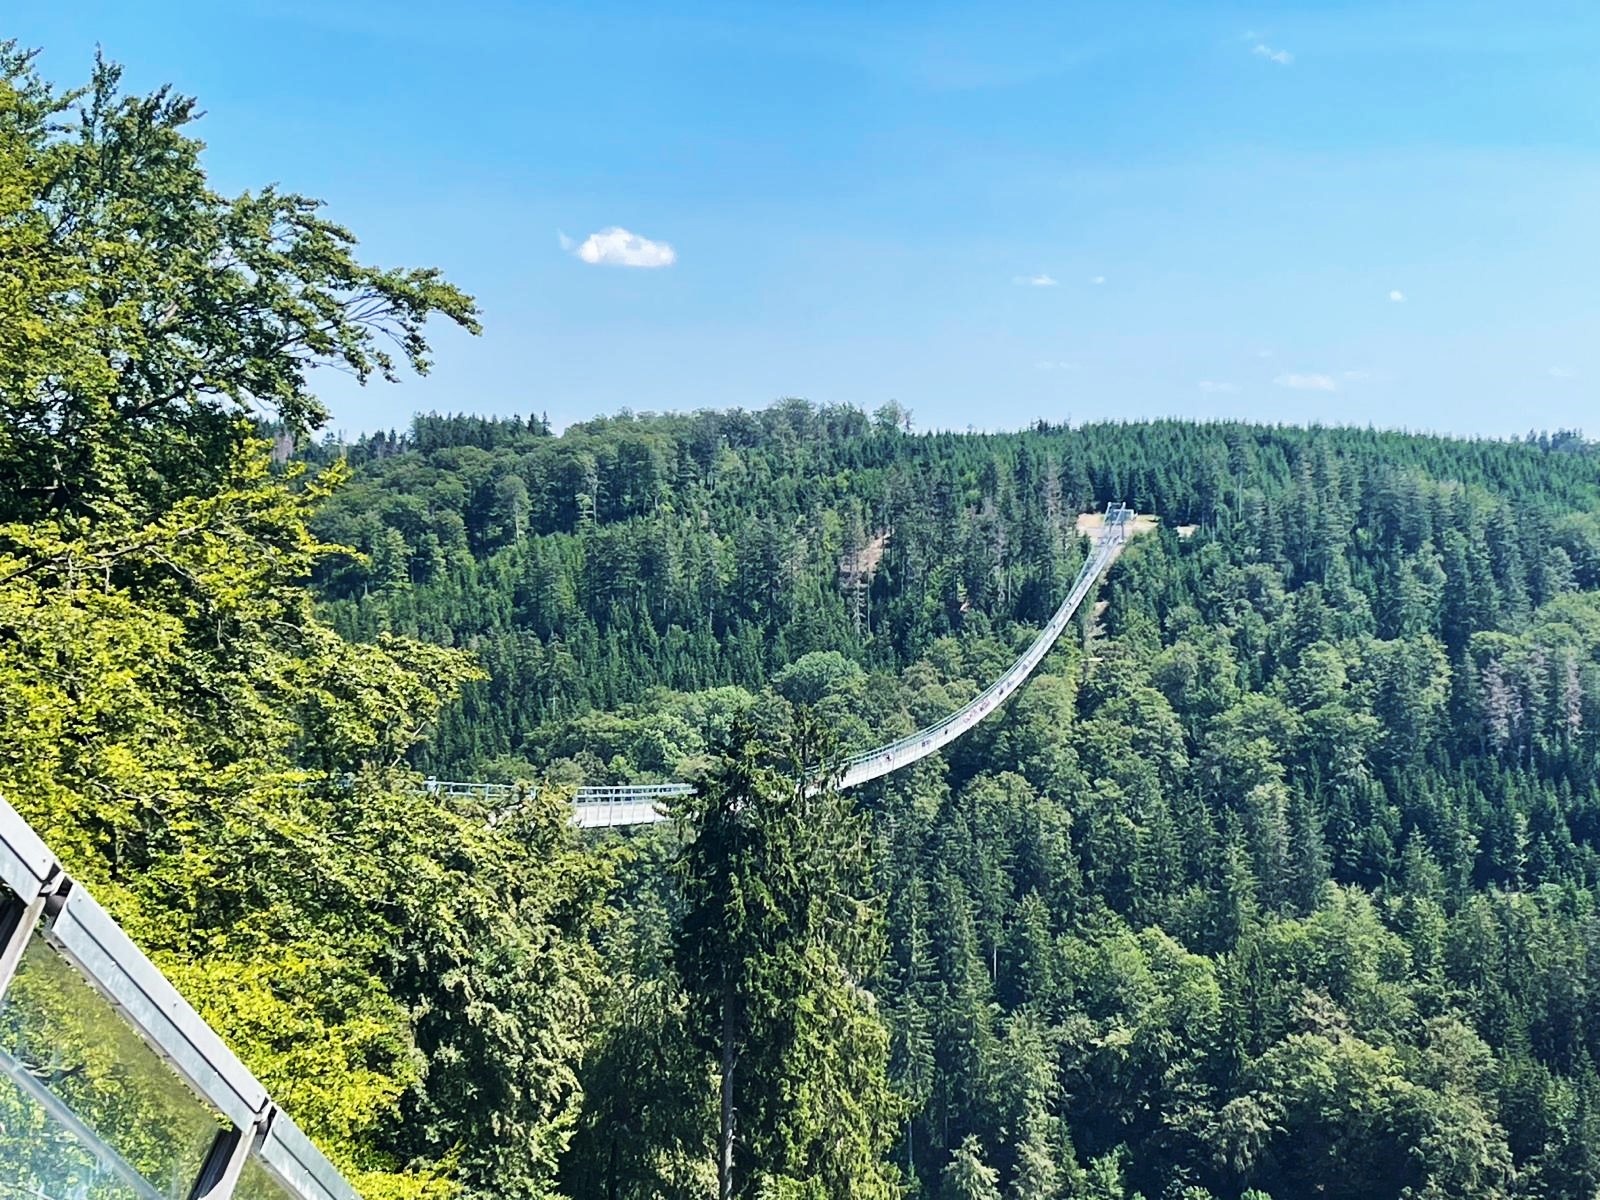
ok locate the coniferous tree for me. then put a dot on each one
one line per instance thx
(775, 910)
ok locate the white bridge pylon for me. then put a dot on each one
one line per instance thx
(637, 804)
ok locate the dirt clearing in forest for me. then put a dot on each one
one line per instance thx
(1090, 524)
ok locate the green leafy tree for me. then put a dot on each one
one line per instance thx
(157, 311)
(320, 925)
(410, 978)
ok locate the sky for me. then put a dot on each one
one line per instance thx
(1365, 213)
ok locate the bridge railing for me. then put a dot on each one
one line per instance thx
(111, 1085)
(596, 794)
(881, 760)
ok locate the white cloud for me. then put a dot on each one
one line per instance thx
(1282, 57)
(1563, 373)
(1397, 296)
(1214, 386)
(616, 247)
(1357, 376)
(1033, 281)
(1307, 383)
(1056, 365)
(1097, 280)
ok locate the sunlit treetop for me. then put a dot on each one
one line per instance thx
(144, 314)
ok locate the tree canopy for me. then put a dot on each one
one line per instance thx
(1285, 858)
(145, 313)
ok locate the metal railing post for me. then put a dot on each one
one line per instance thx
(224, 1163)
(17, 923)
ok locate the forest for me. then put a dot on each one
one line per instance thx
(1278, 880)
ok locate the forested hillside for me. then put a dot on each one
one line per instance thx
(1279, 879)
(1281, 876)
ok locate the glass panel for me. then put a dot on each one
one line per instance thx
(87, 1110)
(258, 1183)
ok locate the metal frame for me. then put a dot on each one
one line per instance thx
(223, 1165)
(45, 900)
(16, 927)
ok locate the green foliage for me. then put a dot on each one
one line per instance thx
(411, 979)
(152, 311)
(360, 944)
(966, 1177)
(1289, 858)
(774, 947)
(649, 1119)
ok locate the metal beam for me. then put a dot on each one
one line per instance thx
(224, 1163)
(26, 864)
(300, 1166)
(82, 932)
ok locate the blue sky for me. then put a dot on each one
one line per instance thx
(1360, 212)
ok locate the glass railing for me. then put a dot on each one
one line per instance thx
(111, 1086)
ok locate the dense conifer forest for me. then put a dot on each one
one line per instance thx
(1278, 880)
(1281, 876)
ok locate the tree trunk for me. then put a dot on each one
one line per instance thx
(725, 1135)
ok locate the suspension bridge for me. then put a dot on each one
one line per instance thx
(640, 804)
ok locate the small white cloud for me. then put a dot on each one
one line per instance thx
(1033, 281)
(1055, 365)
(1397, 297)
(1282, 57)
(1355, 376)
(616, 247)
(1097, 280)
(1214, 386)
(1307, 383)
(1563, 373)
